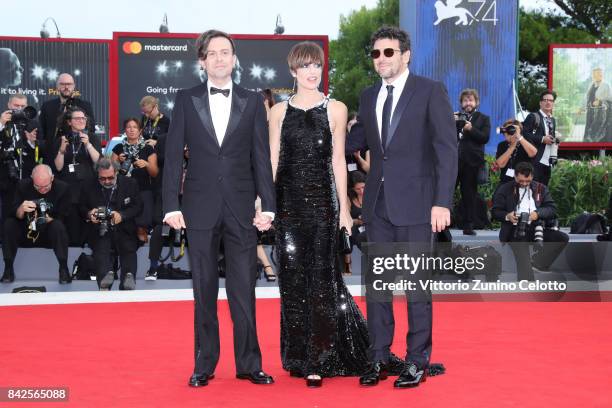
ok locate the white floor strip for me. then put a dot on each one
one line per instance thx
(163, 295)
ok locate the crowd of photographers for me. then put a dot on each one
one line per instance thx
(58, 189)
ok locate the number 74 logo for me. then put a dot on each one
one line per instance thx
(487, 11)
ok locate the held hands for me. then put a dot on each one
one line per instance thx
(84, 138)
(547, 140)
(440, 218)
(467, 126)
(92, 216)
(262, 222)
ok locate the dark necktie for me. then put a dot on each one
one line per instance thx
(214, 90)
(386, 116)
(549, 124)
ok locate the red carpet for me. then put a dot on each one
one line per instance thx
(140, 355)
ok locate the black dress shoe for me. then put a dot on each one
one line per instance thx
(469, 231)
(64, 275)
(412, 376)
(200, 380)
(376, 372)
(314, 381)
(9, 275)
(395, 365)
(436, 369)
(257, 377)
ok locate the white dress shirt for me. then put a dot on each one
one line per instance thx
(220, 109)
(398, 87)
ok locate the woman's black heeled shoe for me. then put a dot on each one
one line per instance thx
(269, 278)
(314, 382)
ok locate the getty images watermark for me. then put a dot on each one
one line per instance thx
(420, 269)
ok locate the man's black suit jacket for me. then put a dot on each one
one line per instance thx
(534, 129)
(471, 146)
(58, 196)
(51, 110)
(419, 163)
(234, 173)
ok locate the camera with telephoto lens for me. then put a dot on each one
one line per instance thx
(103, 214)
(510, 130)
(520, 232)
(538, 232)
(554, 150)
(21, 117)
(126, 165)
(462, 118)
(42, 209)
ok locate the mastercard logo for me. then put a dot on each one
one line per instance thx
(132, 47)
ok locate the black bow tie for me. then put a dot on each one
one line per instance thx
(214, 90)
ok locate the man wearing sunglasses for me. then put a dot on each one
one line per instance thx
(37, 220)
(110, 204)
(407, 123)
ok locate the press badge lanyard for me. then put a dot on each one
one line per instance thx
(75, 151)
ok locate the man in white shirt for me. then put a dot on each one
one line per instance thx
(539, 128)
(224, 128)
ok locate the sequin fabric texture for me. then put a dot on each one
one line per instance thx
(322, 329)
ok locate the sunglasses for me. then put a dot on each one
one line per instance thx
(389, 52)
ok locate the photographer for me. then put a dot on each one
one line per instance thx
(539, 128)
(524, 207)
(111, 204)
(138, 160)
(20, 150)
(53, 110)
(153, 123)
(76, 153)
(514, 150)
(473, 128)
(40, 208)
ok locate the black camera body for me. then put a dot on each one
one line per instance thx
(103, 214)
(520, 231)
(126, 165)
(461, 120)
(509, 130)
(9, 158)
(42, 209)
(21, 117)
(73, 137)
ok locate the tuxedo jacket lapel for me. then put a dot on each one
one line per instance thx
(239, 102)
(202, 107)
(404, 99)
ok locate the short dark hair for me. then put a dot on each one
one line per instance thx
(548, 92)
(75, 109)
(128, 120)
(468, 92)
(104, 163)
(392, 33)
(305, 52)
(524, 168)
(203, 40)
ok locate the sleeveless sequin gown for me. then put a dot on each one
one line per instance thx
(322, 329)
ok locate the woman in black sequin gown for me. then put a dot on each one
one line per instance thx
(323, 332)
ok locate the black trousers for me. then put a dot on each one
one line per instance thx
(76, 226)
(7, 197)
(541, 173)
(105, 249)
(241, 259)
(156, 241)
(467, 178)
(381, 323)
(52, 235)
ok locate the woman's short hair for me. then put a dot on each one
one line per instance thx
(306, 52)
(128, 120)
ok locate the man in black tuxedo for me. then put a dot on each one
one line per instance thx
(473, 128)
(539, 127)
(111, 204)
(52, 111)
(407, 123)
(224, 128)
